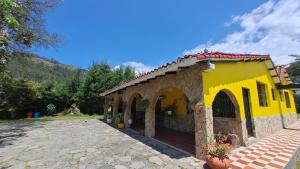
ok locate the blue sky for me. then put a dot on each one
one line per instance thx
(142, 31)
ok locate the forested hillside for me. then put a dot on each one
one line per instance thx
(38, 69)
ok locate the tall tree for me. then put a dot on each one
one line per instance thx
(129, 73)
(22, 26)
(294, 69)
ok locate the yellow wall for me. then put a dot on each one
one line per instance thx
(233, 76)
(176, 95)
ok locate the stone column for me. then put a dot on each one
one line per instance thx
(115, 109)
(127, 113)
(203, 129)
(150, 120)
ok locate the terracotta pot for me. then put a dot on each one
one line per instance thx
(217, 163)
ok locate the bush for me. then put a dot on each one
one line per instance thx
(51, 109)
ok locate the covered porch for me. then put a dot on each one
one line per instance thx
(161, 105)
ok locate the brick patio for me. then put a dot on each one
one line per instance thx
(181, 140)
(273, 152)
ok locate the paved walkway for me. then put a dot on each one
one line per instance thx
(83, 144)
(273, 152)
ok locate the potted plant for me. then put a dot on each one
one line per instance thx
(109, 118)
(217, 155)
(120, 121)
(130, 121)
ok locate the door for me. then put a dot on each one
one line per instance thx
(246, 97)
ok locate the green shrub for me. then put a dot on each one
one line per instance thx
(51, 109)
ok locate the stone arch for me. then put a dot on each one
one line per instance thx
(229, 124)
(182, 114)
(137, 112)
(232, 101)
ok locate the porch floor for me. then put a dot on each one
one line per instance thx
(274, 152)
(180, 140)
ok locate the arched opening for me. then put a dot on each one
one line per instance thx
(138, 109)
(120, 112)
(223, 106)
(174, 120)
(226, 115)
(121, 106)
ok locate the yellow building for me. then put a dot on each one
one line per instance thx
(241, 94)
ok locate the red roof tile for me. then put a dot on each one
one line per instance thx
(219, 55)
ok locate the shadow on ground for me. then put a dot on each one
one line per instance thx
(156, 145)
(12, 131)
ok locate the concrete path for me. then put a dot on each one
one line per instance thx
(275, 152)
(84, 144)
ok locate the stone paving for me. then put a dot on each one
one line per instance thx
(84, 144)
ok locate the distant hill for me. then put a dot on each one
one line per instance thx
(33, 67)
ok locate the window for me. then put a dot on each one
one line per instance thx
(273, 94)
(223, 106)
(287, 100)
(262, 95)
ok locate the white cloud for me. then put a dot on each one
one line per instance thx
(138, 67)
(272, 28)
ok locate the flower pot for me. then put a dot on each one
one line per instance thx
(121, 125)
(109, 121)
(130, 121)
(217, 163)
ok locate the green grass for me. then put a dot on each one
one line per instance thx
(298, 115)
(298, 165)
(60, 116)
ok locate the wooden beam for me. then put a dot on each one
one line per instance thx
(170, 72)
(160, 75)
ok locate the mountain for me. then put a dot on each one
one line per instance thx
(35, 68)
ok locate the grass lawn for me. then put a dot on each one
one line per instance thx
(298, 165)
(298, 115)
(77, 116)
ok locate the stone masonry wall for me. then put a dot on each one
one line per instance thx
(264, 126)
(184, 123)
(289, 119)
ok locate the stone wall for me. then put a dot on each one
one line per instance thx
(289, 119)
(264, 126)
(184, 123)
(230, 125)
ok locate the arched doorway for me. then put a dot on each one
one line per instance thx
(138, 109)
(226, 115)
(174, 121)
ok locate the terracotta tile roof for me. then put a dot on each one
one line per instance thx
(220, 55)
(282, 73)
(186, 61)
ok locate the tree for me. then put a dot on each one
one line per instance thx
(17, 97)
(294, 69)
(99, 78)
(22, 26)
(129, 73)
